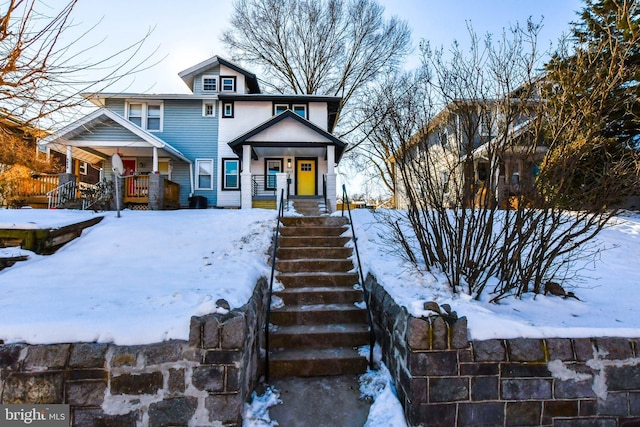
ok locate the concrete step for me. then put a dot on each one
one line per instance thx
(320, 295)
(313, 230)
(314, 253)
(318, 314)
(293, 221)
(314, 265)
(319, 336)
(312, 241)
(314, 279)
(316, 362)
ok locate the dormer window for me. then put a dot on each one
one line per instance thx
(280, 108)
(228, 84)
(209, 83)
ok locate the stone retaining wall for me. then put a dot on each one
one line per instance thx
(444, 380)
(203, 381)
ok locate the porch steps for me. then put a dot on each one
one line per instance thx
(318, 330)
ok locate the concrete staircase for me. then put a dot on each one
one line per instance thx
(316, 331)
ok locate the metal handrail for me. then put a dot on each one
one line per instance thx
(273, 270)
(367, 295)
(62, 194)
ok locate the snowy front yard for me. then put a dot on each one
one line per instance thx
(137, 279)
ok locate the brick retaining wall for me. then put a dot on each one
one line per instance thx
(203, 381)
(442, 379)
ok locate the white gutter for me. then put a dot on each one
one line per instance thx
(191, 179)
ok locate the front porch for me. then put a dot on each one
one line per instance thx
(154, 171)
(284, 157)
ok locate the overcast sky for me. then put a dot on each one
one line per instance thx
(186, 32)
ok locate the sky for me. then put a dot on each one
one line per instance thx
(188, 32)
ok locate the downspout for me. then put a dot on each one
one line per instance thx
(191, 179)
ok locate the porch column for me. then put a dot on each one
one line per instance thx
(245, 178)
(155, 160)
(69, 162)
(331, 178)
(281, 184)
(156, 192)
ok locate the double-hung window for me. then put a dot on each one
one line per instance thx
(146, 115)
(228, 84)
(209, 83)
(204, 170)
(230, 174)
(135, 114)
(153, 117)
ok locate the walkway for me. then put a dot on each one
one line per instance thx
(314, 361)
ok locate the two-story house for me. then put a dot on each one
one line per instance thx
(225, 144)
(473, 152)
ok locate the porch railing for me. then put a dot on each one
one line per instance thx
(37, 185)
(63, 194)
(136, 189)
(262, 186)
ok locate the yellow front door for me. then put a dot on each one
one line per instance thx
(306, 177)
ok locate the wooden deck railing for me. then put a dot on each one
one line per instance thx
(37, 185)
(136, 189)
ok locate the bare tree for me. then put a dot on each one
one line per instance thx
(487, 178)
(326, 47)
(43, 72)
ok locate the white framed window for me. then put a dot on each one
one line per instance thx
(209, 83)
(280, 108)
(300, 109)
(208, 109)
(230, 174)
(228, 84)
(154, 117)
(227, 109)
(83, 168)
(204, 172)
(147, 115)
(134, 114)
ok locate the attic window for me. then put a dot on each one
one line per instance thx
(228, 84)
(209, 83)
(300, 110)
(280, 108)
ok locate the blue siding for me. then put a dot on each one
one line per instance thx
(107, 131)
(197, 81)
(195, 136)
(115, 105)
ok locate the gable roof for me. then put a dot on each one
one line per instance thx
(69, 132)
(243, 139)
(190, 73)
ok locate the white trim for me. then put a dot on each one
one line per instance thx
(234, 83)
(206, 102)
(197, 163)
(224, 175)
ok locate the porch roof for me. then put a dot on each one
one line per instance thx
(89, 148)
(325, 138)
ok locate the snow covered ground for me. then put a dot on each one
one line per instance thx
(609, 292)
(138, 279)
